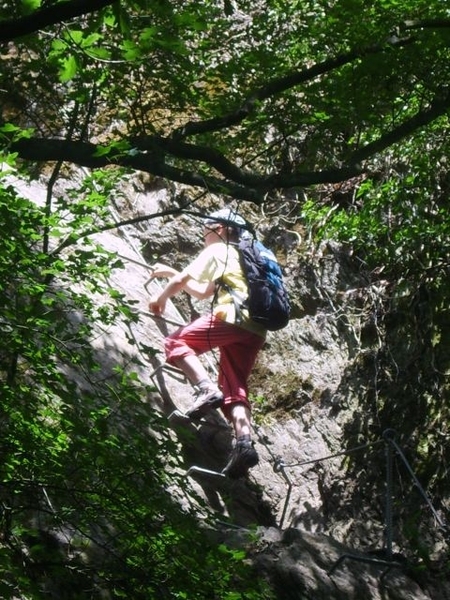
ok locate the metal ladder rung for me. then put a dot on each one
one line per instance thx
(203, 471)
(177, 414)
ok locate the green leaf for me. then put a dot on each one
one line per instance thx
(30, 6)
(102, 151)
(9, 128)
(100, 53)
(75, 35)
(130, 50)
(68, 69)
(91, 39)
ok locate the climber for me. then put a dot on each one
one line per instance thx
(238, 344)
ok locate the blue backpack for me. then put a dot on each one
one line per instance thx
(268, 301)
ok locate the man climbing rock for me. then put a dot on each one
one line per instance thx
(237, 337)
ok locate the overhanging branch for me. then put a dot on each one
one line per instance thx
(426, 24)
(437, 108)
(154, 155)
(44, 17)
(235, 182)
(279, 85)
(84, 154)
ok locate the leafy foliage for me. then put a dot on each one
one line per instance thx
(87, 465)
(245, 101)
(398, 227)
(342, 102)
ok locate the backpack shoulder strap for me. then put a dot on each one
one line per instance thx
(238, 302)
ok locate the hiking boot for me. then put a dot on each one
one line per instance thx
(206, 401)
(242, 458)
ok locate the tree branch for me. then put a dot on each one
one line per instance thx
(63, 11)
(148, 154)
(427, 24)
(437, 108)
(281, 84)
(241, 185)
(84, 154)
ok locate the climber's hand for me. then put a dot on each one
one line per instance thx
(157, 305)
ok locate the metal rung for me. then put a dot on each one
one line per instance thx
(166, 367)
(177, 414)
(390, 564)
(195, 469)
(162, 318)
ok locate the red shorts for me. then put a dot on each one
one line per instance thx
(237, 349)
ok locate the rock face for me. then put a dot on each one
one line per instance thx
(298, 419)
(318, 534)
(315, 566)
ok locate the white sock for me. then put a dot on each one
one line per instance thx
(205, 384)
